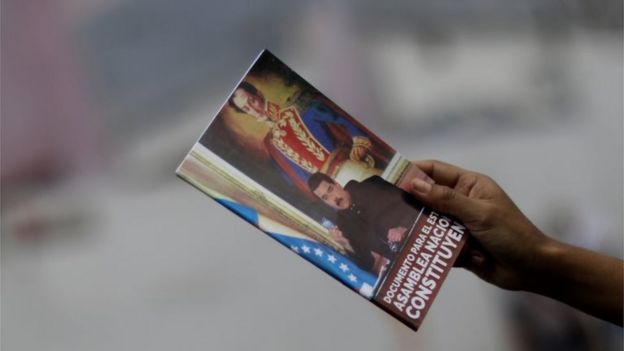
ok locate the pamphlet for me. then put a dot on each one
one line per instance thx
(287, 159)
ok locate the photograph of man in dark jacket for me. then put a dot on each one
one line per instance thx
(373, 217)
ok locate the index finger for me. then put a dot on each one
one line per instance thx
(443, 173)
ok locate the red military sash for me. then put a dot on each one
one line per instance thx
(295, 141)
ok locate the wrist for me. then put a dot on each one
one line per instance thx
(546, 263)
(550, 251)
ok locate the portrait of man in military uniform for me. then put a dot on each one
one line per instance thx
(310, 134)
(278, 130)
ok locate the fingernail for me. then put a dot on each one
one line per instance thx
(421, 186)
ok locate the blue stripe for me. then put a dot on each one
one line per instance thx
(247, 213)
(324, 257)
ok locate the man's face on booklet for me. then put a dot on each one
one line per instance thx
(333, 195)
(252, 104)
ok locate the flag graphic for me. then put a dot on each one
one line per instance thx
(324, 257)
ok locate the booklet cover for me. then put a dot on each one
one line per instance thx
(288, 160)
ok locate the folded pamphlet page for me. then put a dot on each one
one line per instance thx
(288, 160)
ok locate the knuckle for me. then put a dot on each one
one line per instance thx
(466, 183)
(471, 177)
(444, 198)
(488, 179)
(447, 194)
(480, 175)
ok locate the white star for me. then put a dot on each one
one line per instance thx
(294, 248)
(305, 248)
(352, 278)
(331, 258)
(343, 267)
(318, 252)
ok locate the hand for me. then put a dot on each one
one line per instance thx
(512, 253)
(380, 263)
(508, 244)
(360, 148)
(337, 235)
(396, 234)
(358, 153)
(405, 181)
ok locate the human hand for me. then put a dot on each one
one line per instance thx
(396, 234)
(508, 245)
(360, 148)
(358, 153)
(337, 235)
(380, 264)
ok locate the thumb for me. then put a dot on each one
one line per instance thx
(445, 200)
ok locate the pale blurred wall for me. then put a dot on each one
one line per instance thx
(102, 248)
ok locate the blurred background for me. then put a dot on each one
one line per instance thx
(104, 249)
